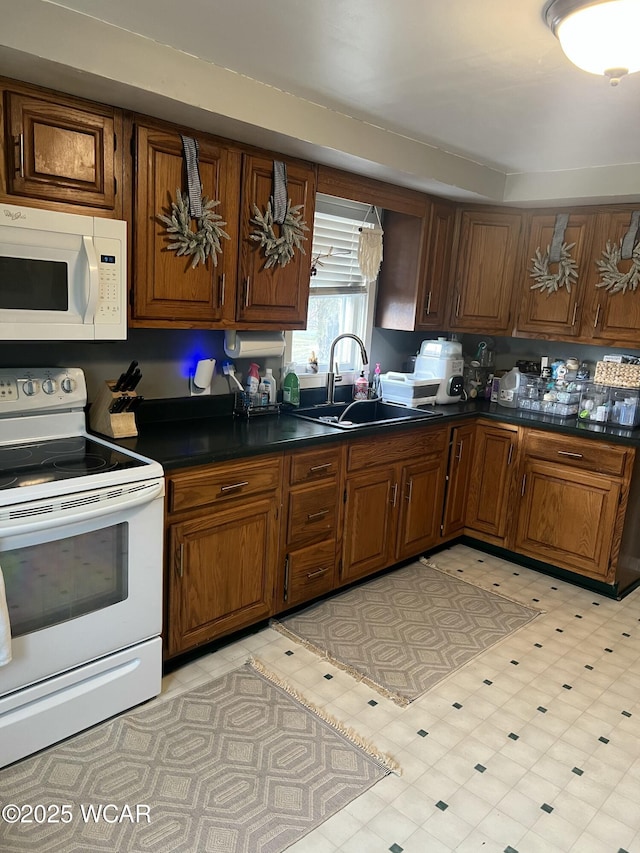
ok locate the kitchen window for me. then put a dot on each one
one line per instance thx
(340, 299)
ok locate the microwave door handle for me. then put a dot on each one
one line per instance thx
(92, 261)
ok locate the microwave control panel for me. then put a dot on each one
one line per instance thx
(110, 278)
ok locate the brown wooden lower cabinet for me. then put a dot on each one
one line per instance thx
(461, 460)
(491, 484)
(222, 552)
(393, 499)
(573, 502)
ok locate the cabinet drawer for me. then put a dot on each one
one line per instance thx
(310, 572)
(220, 483)
(312, 512)
(396, 446)
(593, 456)
(314, 465)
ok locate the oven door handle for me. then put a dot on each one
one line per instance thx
(108, 506)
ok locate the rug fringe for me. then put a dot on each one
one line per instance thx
(382, 758)
(398, 698)
(450, 574)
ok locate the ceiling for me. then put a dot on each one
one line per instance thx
(461, 98)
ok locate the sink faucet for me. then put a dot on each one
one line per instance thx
(331, 374)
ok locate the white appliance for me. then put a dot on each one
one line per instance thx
(63, 277)
(81, 533)
(437, 377)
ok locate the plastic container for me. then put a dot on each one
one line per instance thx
(361, 387)
(509, 387)
(270, 381)
(291, 387)
(406, 389)
(607, 404)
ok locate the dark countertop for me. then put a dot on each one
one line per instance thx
(183, 435)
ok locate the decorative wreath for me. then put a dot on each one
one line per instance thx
(551, 282)
(202, 243)
(279, 249)
(612, 279)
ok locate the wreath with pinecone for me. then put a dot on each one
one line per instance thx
(205, 241)
(278, 248)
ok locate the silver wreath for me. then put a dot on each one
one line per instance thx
(612, 279)
(566, 275)
(279, 249)
(202, 243)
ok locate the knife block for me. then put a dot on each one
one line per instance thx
(112, 424)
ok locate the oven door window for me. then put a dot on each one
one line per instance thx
(56, 581)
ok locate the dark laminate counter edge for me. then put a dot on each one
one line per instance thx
(193, 441)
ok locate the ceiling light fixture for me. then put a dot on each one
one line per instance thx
(599, 36)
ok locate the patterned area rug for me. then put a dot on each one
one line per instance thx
(405, 631)
(236, 766)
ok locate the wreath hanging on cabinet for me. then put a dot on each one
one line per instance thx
(613, 280)
(205, 241)
(279, 248)
(566, 275)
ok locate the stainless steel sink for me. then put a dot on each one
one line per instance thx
(362, 413)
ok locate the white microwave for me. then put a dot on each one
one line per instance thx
(63, 277)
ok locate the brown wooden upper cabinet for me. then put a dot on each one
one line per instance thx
(167, 290)
(415, 268)
(274, 297)
(612, 314)
(485, 251)
(553, 310)
(61, 150)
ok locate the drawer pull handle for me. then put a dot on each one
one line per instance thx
(524, 484)
(458, 304)
(394, 489)
(568, 453)
(312, 575)
(181, 560)
(246, 291)
(223, 281)
(459, 455)
(427, 310)
(315, 515)
(595, 322)
(409, 490)
(234, 486)
(20, 168)
(323, 467)
(575, 311)
(510, 456)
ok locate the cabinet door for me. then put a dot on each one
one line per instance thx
(275, 297)
(460, 467)
(61, 152)
(492, 482)
(611, 318)
(400, 292)
(370, 506)
(432, 307)
(486, 255)
(167, 290)
(567, 517)
(420, 499)
(553, 314)
(221, 572)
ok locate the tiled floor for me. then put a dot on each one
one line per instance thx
(533, 747)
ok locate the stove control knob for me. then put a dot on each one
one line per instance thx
(68, 385)
(30, 387)
(49, 386)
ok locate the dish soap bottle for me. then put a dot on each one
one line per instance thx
(291, 387)
(361, 387)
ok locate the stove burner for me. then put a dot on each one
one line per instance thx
(86, 462)
(6, 481)
(11, 455)
(75, 444)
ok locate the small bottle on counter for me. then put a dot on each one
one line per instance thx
(376, 387)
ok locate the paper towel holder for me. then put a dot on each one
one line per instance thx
(200, 380)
